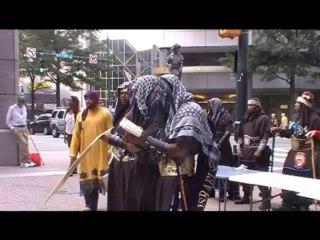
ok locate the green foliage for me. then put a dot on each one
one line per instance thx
(285, 53)
(69, 71)
(227, 61)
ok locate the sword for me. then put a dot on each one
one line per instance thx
(74, 166)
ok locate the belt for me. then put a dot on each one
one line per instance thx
(124, 159)
(19, 125)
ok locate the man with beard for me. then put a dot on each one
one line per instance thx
(121, 163)
(92, 121)
(299, 159)
(253, 136)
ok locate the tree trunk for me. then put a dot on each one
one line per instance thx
(58, 91)
(32, 93)
(292, 93)
(32, 103)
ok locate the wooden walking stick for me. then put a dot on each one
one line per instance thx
(74, 166)
(313, 166)
(183, 193)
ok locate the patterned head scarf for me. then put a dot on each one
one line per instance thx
(215, 110)
(142, 96)
(173, 96)
(95, 97)
(186, 118)
(144, 86)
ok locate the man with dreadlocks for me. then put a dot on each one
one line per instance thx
(92, 121)
(121, 162)
(166, 110)
(221, 125)
(299, 158)
(253, 136)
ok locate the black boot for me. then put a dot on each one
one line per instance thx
(244, 200)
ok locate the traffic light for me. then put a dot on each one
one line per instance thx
(78, 67)
(41, 67)
(229, 33)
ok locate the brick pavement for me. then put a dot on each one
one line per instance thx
(25, 189)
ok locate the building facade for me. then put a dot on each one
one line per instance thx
(205, 77)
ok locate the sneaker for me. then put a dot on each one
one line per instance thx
(32, 164)
(25, 165)
(86, 209)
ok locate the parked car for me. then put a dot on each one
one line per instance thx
(57, 121)
(41, 124)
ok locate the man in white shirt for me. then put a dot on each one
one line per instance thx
(17, 122)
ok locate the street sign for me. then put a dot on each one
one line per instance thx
(31, 52)
(93, 58)
(64, 54)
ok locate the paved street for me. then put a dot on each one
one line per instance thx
(25, 189)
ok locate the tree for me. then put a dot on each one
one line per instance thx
(28, 67)
(93, 74)
(285, 54)
(59, 70)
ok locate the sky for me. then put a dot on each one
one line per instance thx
(139, 39)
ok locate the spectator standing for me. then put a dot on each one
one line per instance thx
(70, 119)
(17, 121)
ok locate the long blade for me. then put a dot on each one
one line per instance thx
(74, 166)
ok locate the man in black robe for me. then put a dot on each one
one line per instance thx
(253, 136)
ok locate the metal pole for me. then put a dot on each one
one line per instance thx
(108, 73)
(242, 91)
(242, 76)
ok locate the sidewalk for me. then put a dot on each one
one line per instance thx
(25, 189)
